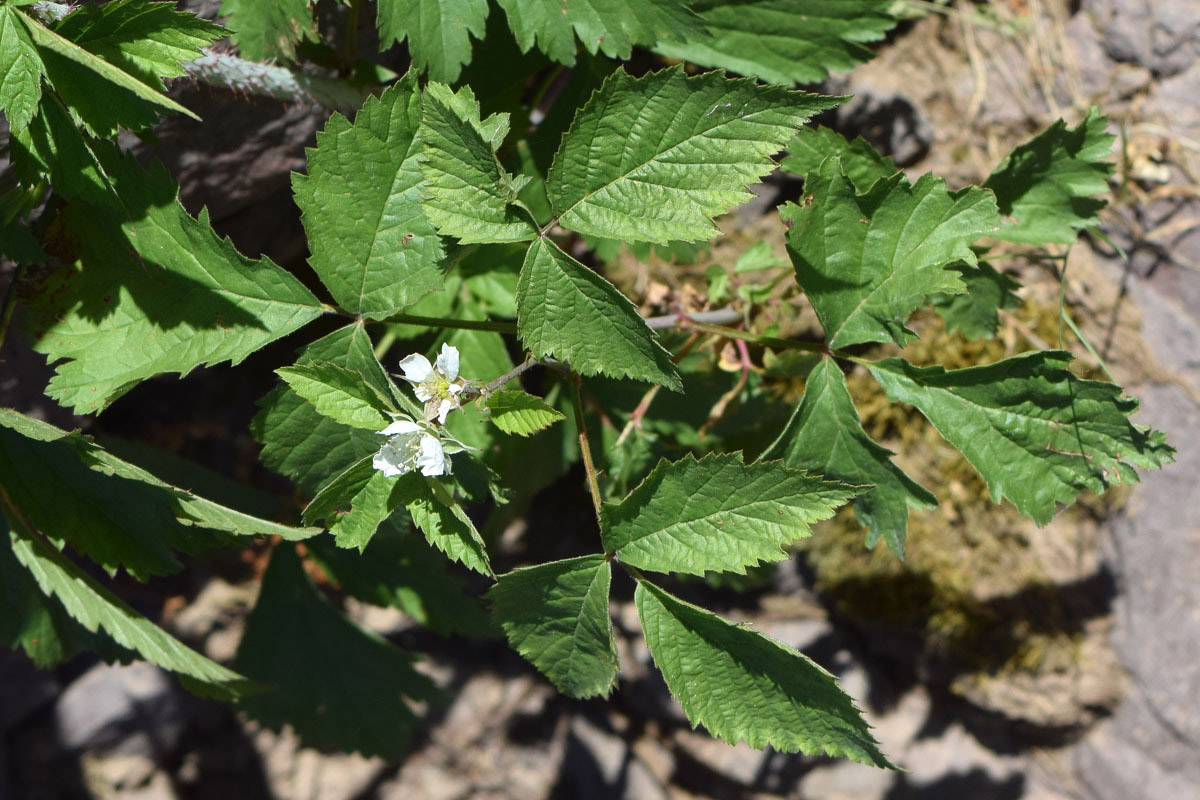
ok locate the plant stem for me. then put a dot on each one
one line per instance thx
(746, 336)
(635, 419)
(584, 448)
(720, 316)
(492, 386)
(460, 324)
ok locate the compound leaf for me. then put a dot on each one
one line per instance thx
(263, 31)
(1036, 433)
(825, 435)
(300, 442)
(339, 393)
(742, 685)
(445, 525)
(467, 193)
(157, 292)
(653, 159)
(369, 507)
(976, 313)
(438, 32)
(371, 243)
(149, 40)
(1048, 185)
(611, 27)
(783, 41)
(866, 261)
(21, 70)
(717, 514)
(861, 162)
(96, 609)
(566, 310)
(337, 685)
(516, 412)
(556, 616)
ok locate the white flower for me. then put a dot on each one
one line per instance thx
(436, 385)
(411, 447)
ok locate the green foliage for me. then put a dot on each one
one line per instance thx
(1037, 434)
(1048, 186)
(520, 413)
(867, 260)
(825, 435)
(371, 244)
(611, 27)
(556, 615)
(341, 394)
(566, 310)
(976, 313)
(268, 30)
(717, 514)
(21, 69)
(653, 159)
(334, 683)
(437, 32)
(741, 685)
(445, 525)
(808, 38)
(862, 164)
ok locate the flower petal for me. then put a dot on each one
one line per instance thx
(432, 460)
(400, 426)
(445, 407)
(416, 368)
(447, 362)
(387, 461)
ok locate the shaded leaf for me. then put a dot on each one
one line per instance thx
(861, 162)
(976, 313)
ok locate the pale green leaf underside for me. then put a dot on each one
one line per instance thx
(263, 30)
(96, 608)
(717, 514)
(556, 616)
(654, 159)
(867, 261)
(149, 40)
(566, 310)
(301, 443)
(1049, 185)
(467, 194)
(784, 41)
(20, 70)
(338, 686)
(48, 40)
(1036, 433)
(824, 435)
(862, 164)
(338, 393)
(186, 298)
(437, 32)
(741, 685)
(370, 242)
(611, 26)
(520, 413)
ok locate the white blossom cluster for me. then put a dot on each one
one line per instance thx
(415, 445)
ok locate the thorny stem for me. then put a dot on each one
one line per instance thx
(718, 410)
(584, 448)
(498, 383)
(460, 324)
(747, 336)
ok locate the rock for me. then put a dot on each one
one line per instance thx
(600, 764)
(294, 772)
(1161, 35)
(133, 710)
(892, 123)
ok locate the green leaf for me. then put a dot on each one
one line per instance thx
(742, 685)
(653, 159)
(369, 507)
(866, 261)
(862, 164)
(1048, 185)
(1036, 433)
(757, 257)
(976, 313)
(437, 32)
(297, 440)
(717, 514)
(148, 40)
(824, 435)
(520, 413)
(612, 27)
(339, 393)
(566, 310)
(445, 525)
(96, 609)
(467, 193)
(784, 41)
(157, 292)
(556, 616)
(263, 31)
(338, 492)
(18, 244)
(371, 243)
(21, 70)
(103, 95)
(52, 145)
(338, 686)
(399, 569)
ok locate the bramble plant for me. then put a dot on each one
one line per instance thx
(465, 211)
